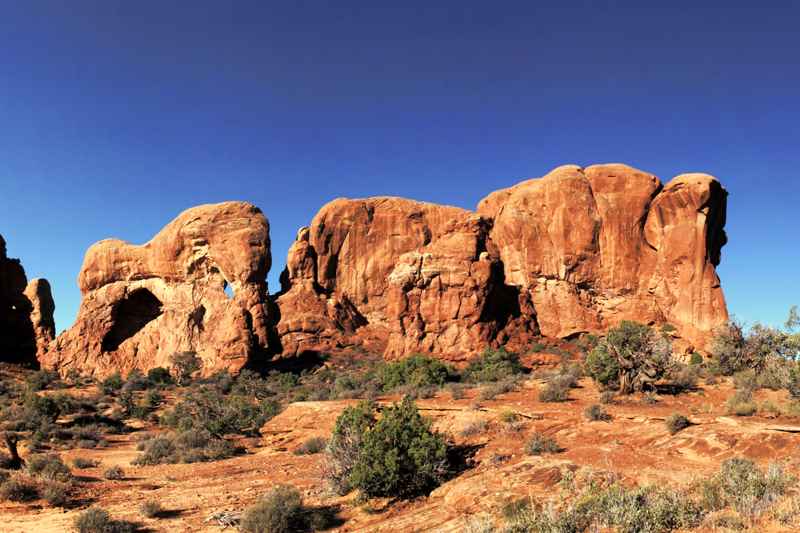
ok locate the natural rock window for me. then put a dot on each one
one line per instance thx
(130, 316)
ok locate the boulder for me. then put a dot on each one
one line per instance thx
(198, 286)
(26, 313)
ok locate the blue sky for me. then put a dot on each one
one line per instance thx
(116, 116)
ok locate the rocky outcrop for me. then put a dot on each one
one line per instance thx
(575, 251)
(403, 275)
(141, 304)
(26, 313)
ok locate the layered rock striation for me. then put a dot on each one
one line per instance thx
(26, 313)
(198, 286)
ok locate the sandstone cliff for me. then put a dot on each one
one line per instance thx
(575, 251)
(141, 304)
(26, 313)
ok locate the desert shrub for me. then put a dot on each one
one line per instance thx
(41, 379)
(631, 358)
(111, 384)
(493, 365)
(741, 403)
(555, 391)
(55, 493)
(159, 377)
(492, 390)
(733, 350)
(475, 427)
(278, 511)
(676, 423)
(151, 509)
(136, 381)
(184, 364)
(115, 473)
(695, 359)
(97, 520)
(539, 444)
(793, 382)
(311, 446)
(399, 455)
(537, 347)
(745, 380)
(596, 413)
(607, 397)
(741, 485)
(415, 370)
(683, 377)
(19, 489)
(190, 446)
(345, 443)
(153, 399)
(207, 409)
(49, 467)
(81, 462)
(457, 391)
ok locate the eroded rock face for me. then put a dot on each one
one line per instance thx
(26, 313)
(141, 304)
(575, 251)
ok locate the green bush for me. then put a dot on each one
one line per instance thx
(676, 423)
(631, 358)
(205, 408)
(111, 384)
(159, 376)
(493, 365)
(696, 359)
(684, 377)
(539, 443)
(184, 364)
(415, 370)
(279, 511)
(399, 455)
(345, 443)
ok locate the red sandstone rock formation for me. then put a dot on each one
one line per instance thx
(26, 313)
(575, 251)
(143, 303)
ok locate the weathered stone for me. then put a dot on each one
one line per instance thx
(575, 251)
(26, 313)
(143, 303)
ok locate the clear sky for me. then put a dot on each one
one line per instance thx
(115, 116)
